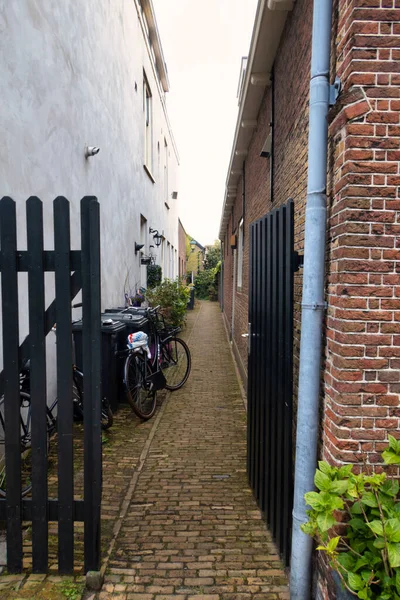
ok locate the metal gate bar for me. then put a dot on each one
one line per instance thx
(270, 369)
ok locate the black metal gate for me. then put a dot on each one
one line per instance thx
(84, 265)
(270, 370)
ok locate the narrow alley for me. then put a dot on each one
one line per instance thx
(189, 526)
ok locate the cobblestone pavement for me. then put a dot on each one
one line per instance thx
(191, 529)
(178, 518)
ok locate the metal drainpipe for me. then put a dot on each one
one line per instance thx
(313, 298)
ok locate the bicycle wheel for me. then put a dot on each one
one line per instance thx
(175, 362)
(140, 394)
(26, 443)
(107, 417)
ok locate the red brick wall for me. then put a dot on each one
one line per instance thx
(362, 380)
(182, 249)
(292, 68)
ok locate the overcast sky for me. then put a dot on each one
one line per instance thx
(203, 42)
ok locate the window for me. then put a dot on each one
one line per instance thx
(166, 199)
(240, 256)
(147, 109)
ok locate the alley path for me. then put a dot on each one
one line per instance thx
(191, 529)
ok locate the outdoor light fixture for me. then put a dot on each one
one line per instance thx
(138, 247)
(157, 237)
(174, 195)
(91, 151)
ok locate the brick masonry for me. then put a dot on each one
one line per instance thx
(181, 249)
(360, 375)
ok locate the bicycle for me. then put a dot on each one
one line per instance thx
(51, 423)
(168, 366)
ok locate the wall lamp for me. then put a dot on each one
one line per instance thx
(174, 195)
(91, 151)
(157, 237)
(138, 247)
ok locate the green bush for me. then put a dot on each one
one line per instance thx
(204, 282)
(173, 297)
(153, 275)
(356, 520)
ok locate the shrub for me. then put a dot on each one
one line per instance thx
(173, 297)
(153, 275)
(364, 546)
(203, 282)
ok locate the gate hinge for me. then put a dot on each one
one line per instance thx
(298, 261)
(334, 91)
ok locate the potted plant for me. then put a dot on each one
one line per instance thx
(356, 520)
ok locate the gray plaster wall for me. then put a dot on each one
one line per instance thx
(72, 75)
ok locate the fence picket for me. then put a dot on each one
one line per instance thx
(9, 293)
(64, 386)
(92, 375)
(34, 220)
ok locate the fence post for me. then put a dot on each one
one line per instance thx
(90, 243)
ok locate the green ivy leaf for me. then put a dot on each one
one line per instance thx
(355, 582)
(322, 481)
(332, 544)
(325, 468)
(345, 471)
(392, 530)
(390, 458)
(369, 499)
(325, 521)
(394, 444)
(393, 554)
(390, 487)
(339, 486)
(397, 581)
(376, 527)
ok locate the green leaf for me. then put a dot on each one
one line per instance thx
(394, 444)
(332, 544)
(393, 554)
(357, 524)
(339, 486)
(345, 471)
(369, 499)
(361, 562)
(313, 499)
(390, 487)
(376, 479)
(390, 458)
(356, 509)
(355, 582)
(398, 581)
(322, 481)
(376, 527)
(308, 528)
(325, 521)
(346, 560)
(379, 543)
(363, 594)
(392, 530)
(325, 467)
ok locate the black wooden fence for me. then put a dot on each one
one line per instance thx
(85, 268)
(270, 369)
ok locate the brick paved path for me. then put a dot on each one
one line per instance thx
(190, 528)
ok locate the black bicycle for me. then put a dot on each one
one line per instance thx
(169, 365)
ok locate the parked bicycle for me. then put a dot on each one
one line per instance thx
(168, 366)
(51, 422)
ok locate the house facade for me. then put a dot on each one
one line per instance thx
(360, 377)
(91, 76)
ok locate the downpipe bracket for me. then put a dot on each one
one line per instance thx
(315, 306)
(334, 91)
